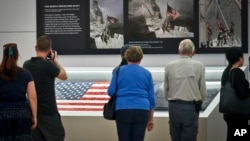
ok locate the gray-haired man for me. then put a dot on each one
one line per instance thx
(185, 89)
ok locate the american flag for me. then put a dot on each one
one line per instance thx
(112, 19)
(81, 96)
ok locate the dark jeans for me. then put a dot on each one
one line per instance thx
(131, 124)
(183, 121)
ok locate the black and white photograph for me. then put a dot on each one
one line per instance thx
(222, 23)
(160, 19)
(106, 24)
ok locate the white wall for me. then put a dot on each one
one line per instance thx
(18, 24)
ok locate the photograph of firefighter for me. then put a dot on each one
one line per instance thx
(149, 19)
(220, 23)
(106, 24)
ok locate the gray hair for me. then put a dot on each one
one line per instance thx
(186, 46)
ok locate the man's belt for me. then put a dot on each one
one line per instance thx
(183, 102)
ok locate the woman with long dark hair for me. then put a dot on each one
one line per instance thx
(235, 60)
(18, 102)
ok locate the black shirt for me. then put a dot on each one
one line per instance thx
(240, 84)
(44, 73)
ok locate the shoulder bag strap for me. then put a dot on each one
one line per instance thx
(117, 74)
(231, 77)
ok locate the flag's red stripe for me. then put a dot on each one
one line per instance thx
(91, 104)
(93, 98)
(98, 87)
(80, 109)
(96, 93)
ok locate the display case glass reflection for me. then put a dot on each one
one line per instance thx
(86, 89)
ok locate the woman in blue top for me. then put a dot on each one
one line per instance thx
(135, 101)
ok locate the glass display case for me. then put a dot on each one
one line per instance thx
(86, 88)
(80, 101)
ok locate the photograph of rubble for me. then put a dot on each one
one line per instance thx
(106, 24)
(160, 19)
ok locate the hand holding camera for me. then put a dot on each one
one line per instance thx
(52, 55)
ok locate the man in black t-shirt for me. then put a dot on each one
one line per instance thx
(44, 69)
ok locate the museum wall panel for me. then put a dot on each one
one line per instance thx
(19, 19)
(18, 24)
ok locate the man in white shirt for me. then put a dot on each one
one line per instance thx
(185, 90)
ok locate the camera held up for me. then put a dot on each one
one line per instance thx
(52, 54)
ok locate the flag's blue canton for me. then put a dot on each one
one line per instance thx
(71, 90)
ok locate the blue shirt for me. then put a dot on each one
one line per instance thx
(135, 89)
